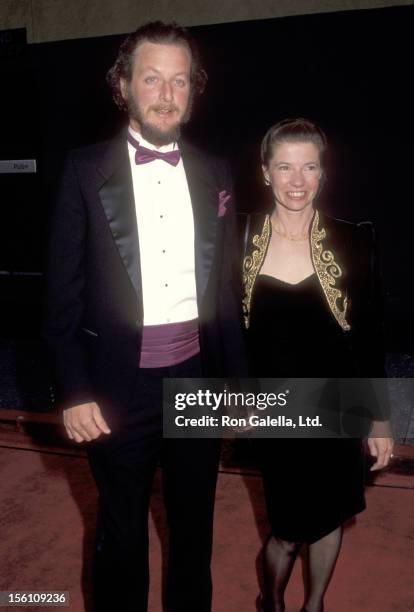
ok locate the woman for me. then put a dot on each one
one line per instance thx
(311, 308)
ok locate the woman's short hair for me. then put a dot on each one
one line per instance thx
(159, 33)
(291, 130)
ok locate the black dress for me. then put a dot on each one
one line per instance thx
(311, 485)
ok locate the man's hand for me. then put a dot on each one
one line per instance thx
(85, 422)
(381, 449)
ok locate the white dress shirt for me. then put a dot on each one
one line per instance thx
(166, 238)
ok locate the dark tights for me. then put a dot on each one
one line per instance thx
(278, 559)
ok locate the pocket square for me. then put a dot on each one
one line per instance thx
(224, 197)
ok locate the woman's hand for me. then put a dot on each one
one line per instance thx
(381, 449)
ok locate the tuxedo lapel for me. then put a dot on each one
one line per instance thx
(117, 198)
(204, 200)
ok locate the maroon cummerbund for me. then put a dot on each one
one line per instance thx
(166, 345)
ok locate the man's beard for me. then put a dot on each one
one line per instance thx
(151, 132)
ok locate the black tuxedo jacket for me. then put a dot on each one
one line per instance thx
(94, 300)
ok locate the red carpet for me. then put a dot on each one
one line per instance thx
(47, 520)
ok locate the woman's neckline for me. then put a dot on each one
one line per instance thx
(280, 280)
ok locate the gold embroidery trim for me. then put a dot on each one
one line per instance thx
(328, 271)
(251, 266)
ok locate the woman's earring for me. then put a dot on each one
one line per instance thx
(266, 182)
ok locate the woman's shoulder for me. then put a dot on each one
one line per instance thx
(344, 229)
(250, 225)
(252, 222)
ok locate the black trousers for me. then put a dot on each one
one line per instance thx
(123, 465)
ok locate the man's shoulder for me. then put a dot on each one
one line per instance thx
(190, 150)
(92, 152)
(103, 157)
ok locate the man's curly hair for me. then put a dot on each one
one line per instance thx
(155, 32)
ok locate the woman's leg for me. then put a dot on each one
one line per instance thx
(322, 556)
(278, 560)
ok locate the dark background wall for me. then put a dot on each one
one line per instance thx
(348, 71)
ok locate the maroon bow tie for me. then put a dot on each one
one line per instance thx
(143, 155)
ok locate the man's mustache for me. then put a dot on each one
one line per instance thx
(165, 108)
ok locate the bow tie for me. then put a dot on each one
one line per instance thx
(143, 155)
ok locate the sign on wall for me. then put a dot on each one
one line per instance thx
(18, 166)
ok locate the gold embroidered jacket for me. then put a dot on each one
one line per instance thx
(344, 259)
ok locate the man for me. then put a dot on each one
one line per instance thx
(141, 287)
